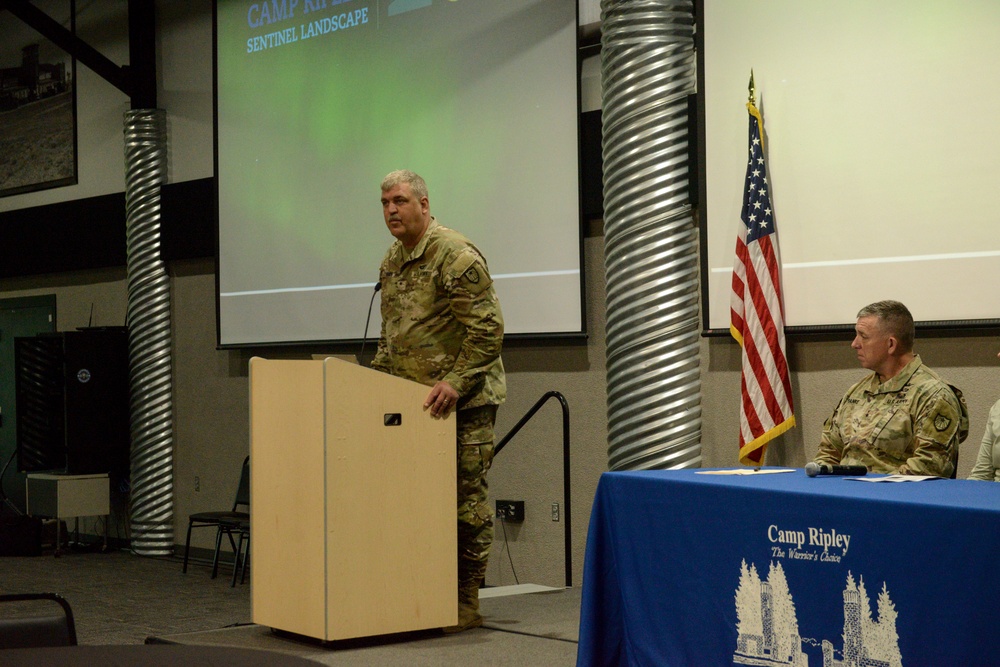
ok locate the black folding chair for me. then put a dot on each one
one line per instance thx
(27, 621)
(224, 522)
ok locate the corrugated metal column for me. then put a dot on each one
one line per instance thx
(651, 240)
(151, 506)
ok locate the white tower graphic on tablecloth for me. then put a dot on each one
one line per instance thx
(867, 642)
(768, 629)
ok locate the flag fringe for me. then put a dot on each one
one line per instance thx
(761, 442)
(737, 334)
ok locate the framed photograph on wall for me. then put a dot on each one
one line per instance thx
(37, 105)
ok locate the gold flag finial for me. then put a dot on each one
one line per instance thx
(751, 99)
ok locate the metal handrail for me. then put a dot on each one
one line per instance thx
(567, 527)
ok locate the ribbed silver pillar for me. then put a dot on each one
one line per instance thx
(651, 240)
(152, 512)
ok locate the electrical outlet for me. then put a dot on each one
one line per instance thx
(511, 511)
(197, 483)
(555, 511)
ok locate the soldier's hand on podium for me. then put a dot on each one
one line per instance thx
(442, 399)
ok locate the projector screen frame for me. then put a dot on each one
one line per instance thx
(939, 327)
(578, 335)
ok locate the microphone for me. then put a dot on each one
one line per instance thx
(813, 469)
(364, 339)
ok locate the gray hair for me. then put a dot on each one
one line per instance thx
(895, 320)
(417, 185)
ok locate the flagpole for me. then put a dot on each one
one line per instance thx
(752, 102)
(756, 311)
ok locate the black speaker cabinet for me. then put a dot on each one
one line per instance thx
(73, 402)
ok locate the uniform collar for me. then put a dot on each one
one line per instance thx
(896, 382)
(418, 250)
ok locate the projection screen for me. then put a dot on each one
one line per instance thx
(882, 147)
(317, 101)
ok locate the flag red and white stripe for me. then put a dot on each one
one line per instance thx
(757, 313)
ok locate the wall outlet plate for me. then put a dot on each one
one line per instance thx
(511, 511)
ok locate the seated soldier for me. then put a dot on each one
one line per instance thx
(903, 418)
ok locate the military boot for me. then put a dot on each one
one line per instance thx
(468, 610)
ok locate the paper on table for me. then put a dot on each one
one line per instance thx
(897, 478)
(744, 471)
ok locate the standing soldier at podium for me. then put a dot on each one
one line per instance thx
(442, 326)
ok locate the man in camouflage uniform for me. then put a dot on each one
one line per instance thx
(903, 418)
(442, 326)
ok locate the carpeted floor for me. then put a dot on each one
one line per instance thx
(120, 598)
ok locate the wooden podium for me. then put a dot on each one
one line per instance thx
(352, 502)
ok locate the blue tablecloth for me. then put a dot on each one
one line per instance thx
(782, 569)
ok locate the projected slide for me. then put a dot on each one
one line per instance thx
(317, 101)
(882, 145)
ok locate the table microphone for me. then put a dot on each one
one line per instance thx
(813, 469)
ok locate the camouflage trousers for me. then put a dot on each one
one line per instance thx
(475, 519)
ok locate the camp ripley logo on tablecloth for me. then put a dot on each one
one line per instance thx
(792, 544)
(767, 626)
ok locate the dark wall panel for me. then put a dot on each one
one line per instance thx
(90, 233)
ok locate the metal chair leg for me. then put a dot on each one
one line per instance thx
(236, 560)
(218, 547)
(187, 548)
(246, 557)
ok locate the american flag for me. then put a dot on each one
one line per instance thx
(757, 316)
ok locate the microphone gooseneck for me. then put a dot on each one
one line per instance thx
(364, 339)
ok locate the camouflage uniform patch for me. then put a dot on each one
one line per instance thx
(911, 424)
